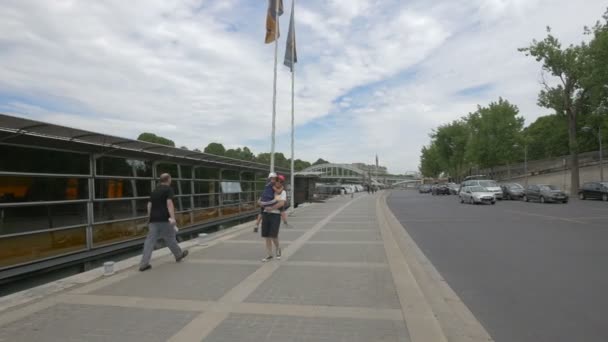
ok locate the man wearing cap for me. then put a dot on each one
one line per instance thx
(271, 217)
(267, 197)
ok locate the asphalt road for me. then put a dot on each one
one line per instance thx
(529, 272)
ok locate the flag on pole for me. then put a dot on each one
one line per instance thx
(291, 56)
(272, 18)
(376, 161)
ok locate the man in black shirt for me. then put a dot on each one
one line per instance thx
(161, 212)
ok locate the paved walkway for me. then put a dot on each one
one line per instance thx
(343, 277)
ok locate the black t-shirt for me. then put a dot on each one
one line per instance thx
(158, 198)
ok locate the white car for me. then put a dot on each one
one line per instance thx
(488, 184)
(477, 194)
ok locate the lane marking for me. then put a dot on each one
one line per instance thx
(547, 217)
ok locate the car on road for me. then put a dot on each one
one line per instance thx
(440, 189)
(594, 190)
(545, 193)
(512, 191)
(488, 184)
(453, 188)
(424, 189)
(477, 194)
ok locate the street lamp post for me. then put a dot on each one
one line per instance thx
(599, 138)
(525, 162)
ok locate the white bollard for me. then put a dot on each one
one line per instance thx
(202, 239)
(108, 268)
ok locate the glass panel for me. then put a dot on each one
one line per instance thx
(116, 210)
(30, 189)
(27, 248)
(112, 166)
(166, 168)
(185, 186)
(202, 201)
(183, 219)
(24, 159)
(248, 207)
(230, 198)
(108, 233)
(247, 186)
(231, 187)
(186, 171)
(206, 173)
(205, 214)
(248, 197)
(185, 203)
(201, 187)
(31, 218)
(121, 188)
(230, 175)
(247, 176)
(231, 210)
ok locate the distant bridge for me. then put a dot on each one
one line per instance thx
(349, 174)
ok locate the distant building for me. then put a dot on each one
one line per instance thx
(382, 170)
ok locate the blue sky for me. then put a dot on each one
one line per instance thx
(374, 77)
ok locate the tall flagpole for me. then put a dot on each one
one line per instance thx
(293, 77)
(274, 87)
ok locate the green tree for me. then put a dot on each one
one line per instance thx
(153, 138)
(493, 132)
(300, 165)
(568, 98)
(547, 137)
(430, 165)
(215, 148)
(321, 161)
(451, 142)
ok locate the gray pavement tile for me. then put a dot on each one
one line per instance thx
(340, 253)
(284, 234)
(351, 225)
(260, 328)
(335, 286)
(182, 281)
(362, 235)
(68, 322)
(234, 251)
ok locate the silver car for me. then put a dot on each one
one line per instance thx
(477, 194)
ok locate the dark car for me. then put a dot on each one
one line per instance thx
(545, 193)
(594, 190)
(441, 189)
(512, 191)
(424, 189)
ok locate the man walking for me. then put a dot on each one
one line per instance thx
(161, 213)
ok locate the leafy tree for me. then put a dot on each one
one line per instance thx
(569, 97)
(153, 138)
(320, 161)
(494, 131)
(215, 148)
(184, 148)
(547, 137)
(430, 164)
(300, 165)
(451, 143)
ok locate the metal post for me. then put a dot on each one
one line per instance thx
(90, 204)
(526, 163)
(274, 88)
(599, 135)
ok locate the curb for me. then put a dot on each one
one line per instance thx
(453, 316)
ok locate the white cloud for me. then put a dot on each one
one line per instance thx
(373, 77)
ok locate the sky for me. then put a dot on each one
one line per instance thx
(373, 77)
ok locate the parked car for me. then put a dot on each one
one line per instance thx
(441, 189)
(424, 189)
(453, 188)
(545, 193)
(512, 191)
(594, 190)
(477, 194)
(489, 184)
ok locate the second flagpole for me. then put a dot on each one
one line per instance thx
(293, 82)
(274, 87)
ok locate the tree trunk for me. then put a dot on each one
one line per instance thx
(574, 179)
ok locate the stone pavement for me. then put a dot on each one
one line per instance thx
(343, 277)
